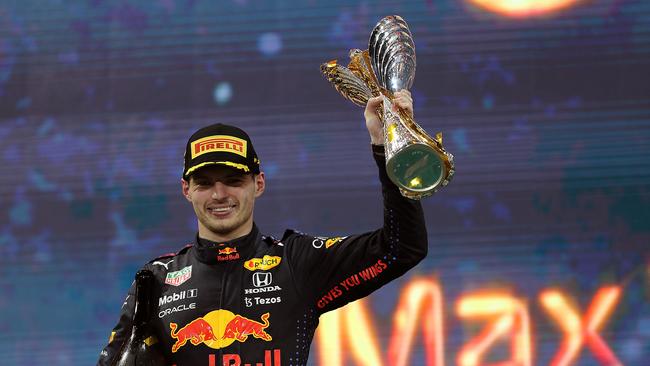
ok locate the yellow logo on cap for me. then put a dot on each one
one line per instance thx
(218, 143)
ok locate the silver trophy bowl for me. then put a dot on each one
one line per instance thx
(392, 53)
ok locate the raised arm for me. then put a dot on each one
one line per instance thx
(331, 272)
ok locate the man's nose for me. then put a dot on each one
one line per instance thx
(219, 191)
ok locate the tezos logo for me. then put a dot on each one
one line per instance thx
(262, 301)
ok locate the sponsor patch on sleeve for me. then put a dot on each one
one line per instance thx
(321, 241)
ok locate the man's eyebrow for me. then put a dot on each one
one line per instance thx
(200, 177)
(235, 175)
(232, 174)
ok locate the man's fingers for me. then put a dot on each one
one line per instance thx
(403, 100)
(374, 102)
(404, 103)
(404, 93)
(372, 106)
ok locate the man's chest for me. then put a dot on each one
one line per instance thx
(216, 311)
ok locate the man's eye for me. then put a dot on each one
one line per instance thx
(234, 181)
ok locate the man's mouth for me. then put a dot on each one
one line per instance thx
(221, 210)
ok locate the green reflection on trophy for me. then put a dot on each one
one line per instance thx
(417, 163)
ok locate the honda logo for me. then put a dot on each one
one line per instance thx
(261, 279)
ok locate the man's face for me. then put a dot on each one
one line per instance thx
(223, 199)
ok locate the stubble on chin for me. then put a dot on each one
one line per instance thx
(220, 227)
(224, 227)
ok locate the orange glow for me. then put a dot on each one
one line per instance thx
(472, 352)
(360, 335)
(578, 331)
(420, 306)
(347, 336)
(488, 305)
(349, 325)
(328, 338)
(523, 8)
(568, 319)
(510, 317)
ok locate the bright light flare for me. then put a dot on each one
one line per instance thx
(415, 182)
(524, 8)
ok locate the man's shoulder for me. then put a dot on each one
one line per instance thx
(295, 237)
(170, 261)
(289, 237)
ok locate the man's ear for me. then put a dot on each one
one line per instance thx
(185, 187)
(260, 184)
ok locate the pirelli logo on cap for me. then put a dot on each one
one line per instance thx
(218, 143)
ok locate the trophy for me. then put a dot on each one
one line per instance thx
(417, 163)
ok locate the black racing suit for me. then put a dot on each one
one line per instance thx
(256, 300)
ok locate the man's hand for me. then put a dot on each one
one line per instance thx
(402, 100)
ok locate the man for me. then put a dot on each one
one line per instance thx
(236, 297)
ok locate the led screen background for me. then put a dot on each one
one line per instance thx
(547, 115)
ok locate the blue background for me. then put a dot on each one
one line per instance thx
(548, 118)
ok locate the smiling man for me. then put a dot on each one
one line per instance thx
(236, 297)
(222, 178)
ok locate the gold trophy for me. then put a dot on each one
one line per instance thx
(417, 163)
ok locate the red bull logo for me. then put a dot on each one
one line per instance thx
(227, 250)
(240, 328)
(234, 359)
(219, 329)
(227, 254)
(197, 332)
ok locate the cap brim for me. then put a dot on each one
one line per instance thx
(242, 167)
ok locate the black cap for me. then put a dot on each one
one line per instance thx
(220, 144)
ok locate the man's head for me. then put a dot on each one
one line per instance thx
(222, 178)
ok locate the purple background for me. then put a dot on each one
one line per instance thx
(548, 118)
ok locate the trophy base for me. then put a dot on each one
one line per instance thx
(417, 169)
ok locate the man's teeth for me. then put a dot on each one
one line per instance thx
(221, 209)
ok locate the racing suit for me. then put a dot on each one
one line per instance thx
(256, 300)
